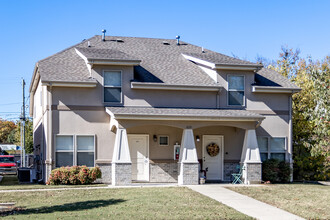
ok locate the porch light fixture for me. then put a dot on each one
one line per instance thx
(155, 138)
(197, 138)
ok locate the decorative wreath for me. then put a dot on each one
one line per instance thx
(212, 149)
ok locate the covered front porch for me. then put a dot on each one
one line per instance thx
(175, 145)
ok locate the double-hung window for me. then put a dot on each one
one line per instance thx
(236, 90)
(272, 148)
(75, 150)
(112, 86)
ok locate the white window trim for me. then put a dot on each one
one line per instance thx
(121, 87)
(235, 90)
(75, 147)
(168, 140)
(269, 152)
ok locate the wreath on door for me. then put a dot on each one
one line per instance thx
(212, 149)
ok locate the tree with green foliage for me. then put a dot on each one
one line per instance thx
(310, 113)
(11, 133)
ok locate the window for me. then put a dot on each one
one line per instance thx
(112, 86)
(75, 150)
(163, 140)
(236, 90)
(272, 148)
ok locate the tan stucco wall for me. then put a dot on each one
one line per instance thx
(86, 123)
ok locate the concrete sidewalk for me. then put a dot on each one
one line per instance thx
(242, 203)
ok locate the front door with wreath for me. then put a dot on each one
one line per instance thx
(213, 156)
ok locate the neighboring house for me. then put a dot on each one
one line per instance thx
(155, 110)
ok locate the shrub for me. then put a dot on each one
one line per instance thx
(276, 171)
(75, 175)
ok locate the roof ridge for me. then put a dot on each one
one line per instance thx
(75, 45)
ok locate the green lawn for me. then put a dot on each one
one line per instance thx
(11, 182)
(309, 201)
(120, 203)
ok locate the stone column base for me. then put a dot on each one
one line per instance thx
(188, 174)
(106, 173)
(121, 174)
(253, 174)
(48, 170)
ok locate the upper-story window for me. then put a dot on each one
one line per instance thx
(236, 90)
(112, 86)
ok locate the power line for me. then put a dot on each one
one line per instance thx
(15, 103)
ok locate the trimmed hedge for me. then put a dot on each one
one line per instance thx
(276, 171)
(75, 175)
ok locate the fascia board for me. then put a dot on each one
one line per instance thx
(160, 86)
(266, 89)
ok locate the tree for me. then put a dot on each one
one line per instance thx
(310, 113)
(6, 127)
(15, 135)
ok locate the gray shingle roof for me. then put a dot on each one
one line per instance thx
(183, 112)
(160, 62)
(218, 58)
(268, 77)
(105, 54)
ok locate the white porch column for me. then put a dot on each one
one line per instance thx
(251, 158)
(188, 162)
(121, 160)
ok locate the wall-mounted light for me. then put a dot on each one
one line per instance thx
(197, 138)
(155, 138)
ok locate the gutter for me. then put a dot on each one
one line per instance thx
(274, 89)
(162, 86)
(90, 84)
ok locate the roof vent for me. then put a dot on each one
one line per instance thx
(119, 40)
(103, 34)
(203, 51)
(177, 40)
(88, 44)
(166, 43)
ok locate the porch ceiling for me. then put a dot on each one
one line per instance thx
(150, 113)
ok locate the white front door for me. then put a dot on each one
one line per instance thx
(139, 150)
(213, 162)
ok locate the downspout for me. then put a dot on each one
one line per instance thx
(218, 99)
(290, 147)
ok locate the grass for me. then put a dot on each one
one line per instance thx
(120, 203)
(309, 201)
(10, 182)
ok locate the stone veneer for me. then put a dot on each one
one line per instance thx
(106, 173)
(189, 173)
(121, 174)
(164, 172)
(253, 172)
(230, 168)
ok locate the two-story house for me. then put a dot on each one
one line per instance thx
(158, 110)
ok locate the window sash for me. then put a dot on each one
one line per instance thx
(236, 92)
(75, 152)
(270, 153)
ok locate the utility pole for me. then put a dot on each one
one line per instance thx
(23, 164)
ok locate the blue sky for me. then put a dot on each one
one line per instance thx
(32, 30)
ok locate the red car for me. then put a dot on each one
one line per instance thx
(7, 164)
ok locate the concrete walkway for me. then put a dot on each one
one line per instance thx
(243, 204)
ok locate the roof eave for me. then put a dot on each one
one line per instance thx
(82, 84)
(273, 89)
(162, 86)
(114, 62)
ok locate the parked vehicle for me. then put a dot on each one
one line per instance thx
(7, 164)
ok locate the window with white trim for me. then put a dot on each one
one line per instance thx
(75, 150)
(236, 90)
(272, 148)
(112, 86)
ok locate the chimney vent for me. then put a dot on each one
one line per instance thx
(103, 34)
(177, 40)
